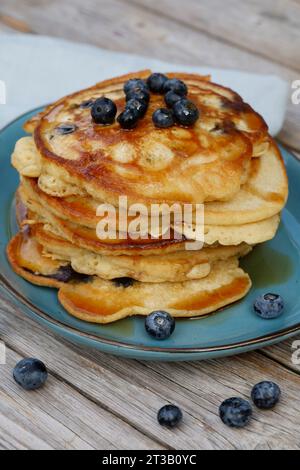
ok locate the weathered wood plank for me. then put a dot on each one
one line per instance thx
(267, 28)
(135, 390)
(126, 27)
(59, 417)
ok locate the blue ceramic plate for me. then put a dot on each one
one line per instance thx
(273, 266)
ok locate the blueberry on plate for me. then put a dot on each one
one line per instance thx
(235, 412)
(103, 111)
(137, 107)
(185, 112)
(178, 86)
(30, 373)
(134, 83)
(142, 95)
(156, 82)
(159, 324)
(163, 117)
(171, 98)
(127, 119)
(265, 395)
(169, 416)
(269, 306)
(66, 128)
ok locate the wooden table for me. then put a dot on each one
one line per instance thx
(96, 401)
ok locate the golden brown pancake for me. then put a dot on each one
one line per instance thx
(262, 196)
(173, 267)
(101, 301)
(226, 160)
(206, 162)
(84, 237)
(225, 284)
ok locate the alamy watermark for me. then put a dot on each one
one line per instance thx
(295, 358)
(2, 92)
(159, 221)
(296, 94)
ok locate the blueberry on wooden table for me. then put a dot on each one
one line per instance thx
(269, 306)
(235, 412)
(169, 416)
(159, 324)
(30, 373)
(103, 111)
(265, 395)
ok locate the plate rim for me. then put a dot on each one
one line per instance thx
(62, 327)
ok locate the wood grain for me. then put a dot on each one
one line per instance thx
(59, 417)
(256, 26)
(134, 391)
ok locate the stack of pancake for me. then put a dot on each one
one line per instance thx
(71, 165)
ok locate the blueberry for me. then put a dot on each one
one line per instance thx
(163, 117)
(269, 306)
(67, 273)
(171, 98)
(137, 107)
(86, 104)
(265, 395)
(123, 281)
(159, 324)
(134, 83)
(178, 86)
(235, 412)
(127, 119)
(156, 82)
(103, 111)
(169, 415)
(185, 112)
(30, 373)
(66, 128)
(138, 94)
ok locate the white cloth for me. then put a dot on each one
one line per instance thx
(37, 70)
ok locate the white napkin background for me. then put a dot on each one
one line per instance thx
(39, 69)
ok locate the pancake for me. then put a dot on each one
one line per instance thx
(207, 162)
(101, 301)
(263, 196)
(84, 237)
(87, 238)
(226, 160)
(27, 260)
(225, 284)
(173, 267)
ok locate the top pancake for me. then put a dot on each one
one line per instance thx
(207, 162)
(264, 195)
